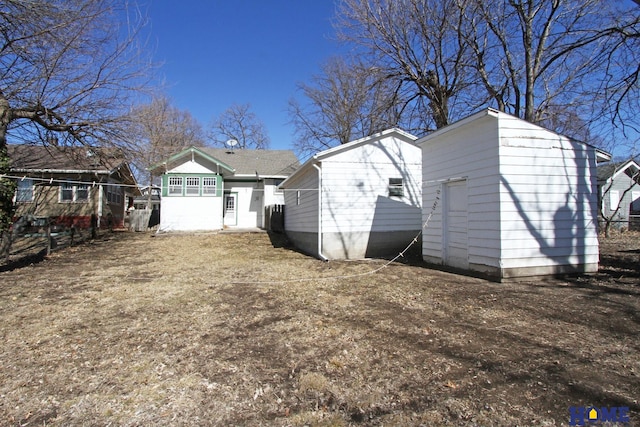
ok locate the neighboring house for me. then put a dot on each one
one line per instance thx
(513, 199)
(619, 194)
(149, 195)
(141, 201)
(358, 200)
(72, 184)
(215, 188)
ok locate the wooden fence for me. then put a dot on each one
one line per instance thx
(37, 237)
(274, 218)
(139, 219)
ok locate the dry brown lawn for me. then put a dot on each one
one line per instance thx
(238, 329)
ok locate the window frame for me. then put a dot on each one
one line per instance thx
(396, 187)
(171, 186)
(189, 188)
(25, 186)
(208, 184)
(81, 188)
(206, 188)
(66, 187)
(614, 200)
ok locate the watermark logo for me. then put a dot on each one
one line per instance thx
(584, 416)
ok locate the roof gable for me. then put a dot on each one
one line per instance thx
(262, 163)
(187, 155)
(613, 170)
(340, 149)
(366, 140)
(601, 155)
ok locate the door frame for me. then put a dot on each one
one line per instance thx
(233, 194)
(446, 222)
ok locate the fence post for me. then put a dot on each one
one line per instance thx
(48, 237)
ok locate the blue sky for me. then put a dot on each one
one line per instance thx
(217, 53)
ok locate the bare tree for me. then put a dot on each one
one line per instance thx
(239, 123)
(346, 101)
(621, 77)
(418, 43)
(545, 61)
(158, 130)
(68, 68)
(540, 58)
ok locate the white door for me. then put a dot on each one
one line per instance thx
(231, 209)
(455, 225)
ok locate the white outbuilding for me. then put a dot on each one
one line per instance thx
(358, 200)
(508, 199)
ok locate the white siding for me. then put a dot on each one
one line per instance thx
(356, 188)
(548, 198)
(272, 196)
(249, 207)
(469, 152)
(360, 218)
(531, 195)
(302, 216)
(191, 167)
(191, 213)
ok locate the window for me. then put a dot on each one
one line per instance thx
(396, 187)
(74, 193)
(230, 203)
(193, 186)
(175, 185)
(66, 192)
(114, 194)
(635, 200)
(209, 186)
(82, 193)
(614, 199)
(25, 191)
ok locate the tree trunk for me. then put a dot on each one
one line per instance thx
(7, 186)
(5, 245)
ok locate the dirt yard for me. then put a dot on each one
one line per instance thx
(238, 329)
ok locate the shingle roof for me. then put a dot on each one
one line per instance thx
(52, 158)
(264, 162)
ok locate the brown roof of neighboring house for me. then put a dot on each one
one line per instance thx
(29, 157)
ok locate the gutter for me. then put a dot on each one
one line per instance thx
(320, 255)
(66, 171)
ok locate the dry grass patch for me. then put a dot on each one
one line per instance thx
(217, 329)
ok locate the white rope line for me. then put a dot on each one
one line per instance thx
(366, 273)
(94, 183)
(70, 181)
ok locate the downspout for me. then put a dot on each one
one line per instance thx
(320, 255)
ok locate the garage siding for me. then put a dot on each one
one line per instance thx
(548, 195)
(470, 153)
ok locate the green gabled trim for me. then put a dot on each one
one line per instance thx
(189, 151)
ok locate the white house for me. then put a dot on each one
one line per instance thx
(509, 199)
(357, 200)
(215, 188)
(619, 194)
